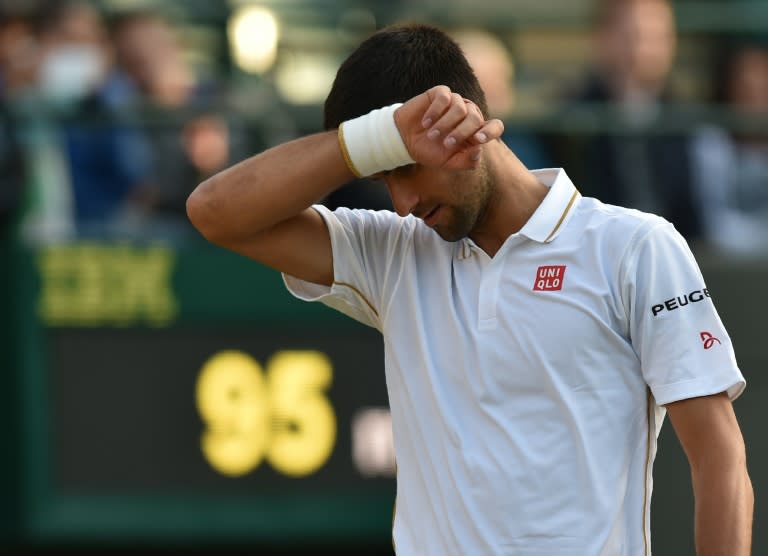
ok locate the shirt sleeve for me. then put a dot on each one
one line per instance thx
(684, 349)
(368, 248)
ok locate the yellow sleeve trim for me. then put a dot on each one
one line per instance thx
(360, 295)
(651, 423)
(345, 152)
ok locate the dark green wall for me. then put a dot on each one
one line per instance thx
(10, 428)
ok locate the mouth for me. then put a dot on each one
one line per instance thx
(430, 219)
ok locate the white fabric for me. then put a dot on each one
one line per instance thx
(374, 143)
(522, 411)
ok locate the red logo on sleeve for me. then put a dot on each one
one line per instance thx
(708, 339)
(549, 278)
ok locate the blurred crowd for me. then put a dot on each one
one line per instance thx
(105, 126)
(708, 177)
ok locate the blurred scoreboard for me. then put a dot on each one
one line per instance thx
(181, 394)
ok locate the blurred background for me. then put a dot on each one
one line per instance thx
(158, 394)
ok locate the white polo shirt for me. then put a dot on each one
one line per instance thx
(526, 388)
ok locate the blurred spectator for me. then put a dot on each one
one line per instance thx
(17, 51)
(74, 55)
(18, 54)
(731, 167)
(128, 132)
(189, 141)
(151, 60)
(87, 162)
(495, 69)
(635, 45)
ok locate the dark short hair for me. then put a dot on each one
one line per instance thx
(396, 64)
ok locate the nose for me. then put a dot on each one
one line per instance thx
(404, 196)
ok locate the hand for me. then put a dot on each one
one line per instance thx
(442, 129)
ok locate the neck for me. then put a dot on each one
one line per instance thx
(516, 194)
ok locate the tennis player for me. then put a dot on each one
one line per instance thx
(534, 338)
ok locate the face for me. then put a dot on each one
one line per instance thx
(453, 203)
(640, 41)
(75, 55)
(748, 86)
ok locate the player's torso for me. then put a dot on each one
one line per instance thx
(517, 374)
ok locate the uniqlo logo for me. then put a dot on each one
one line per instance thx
(549, 278)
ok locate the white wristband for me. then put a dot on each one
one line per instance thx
(372, 143)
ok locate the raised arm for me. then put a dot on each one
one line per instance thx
(260, 206)
(711, 438)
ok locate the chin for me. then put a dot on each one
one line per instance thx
(448, 238)
(450, 235)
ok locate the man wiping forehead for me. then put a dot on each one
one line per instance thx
(527, 374)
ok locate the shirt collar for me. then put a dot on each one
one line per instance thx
(555, 210)
(549, 218)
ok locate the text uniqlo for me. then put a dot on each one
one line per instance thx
(549, 278)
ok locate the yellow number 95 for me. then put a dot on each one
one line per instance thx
(282, 414)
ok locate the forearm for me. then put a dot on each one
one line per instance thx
(268, 188)
(724, 507)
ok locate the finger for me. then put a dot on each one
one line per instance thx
(490, 130)
(466, 129)
(469, 154)
(440, 98)
(456, 115)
